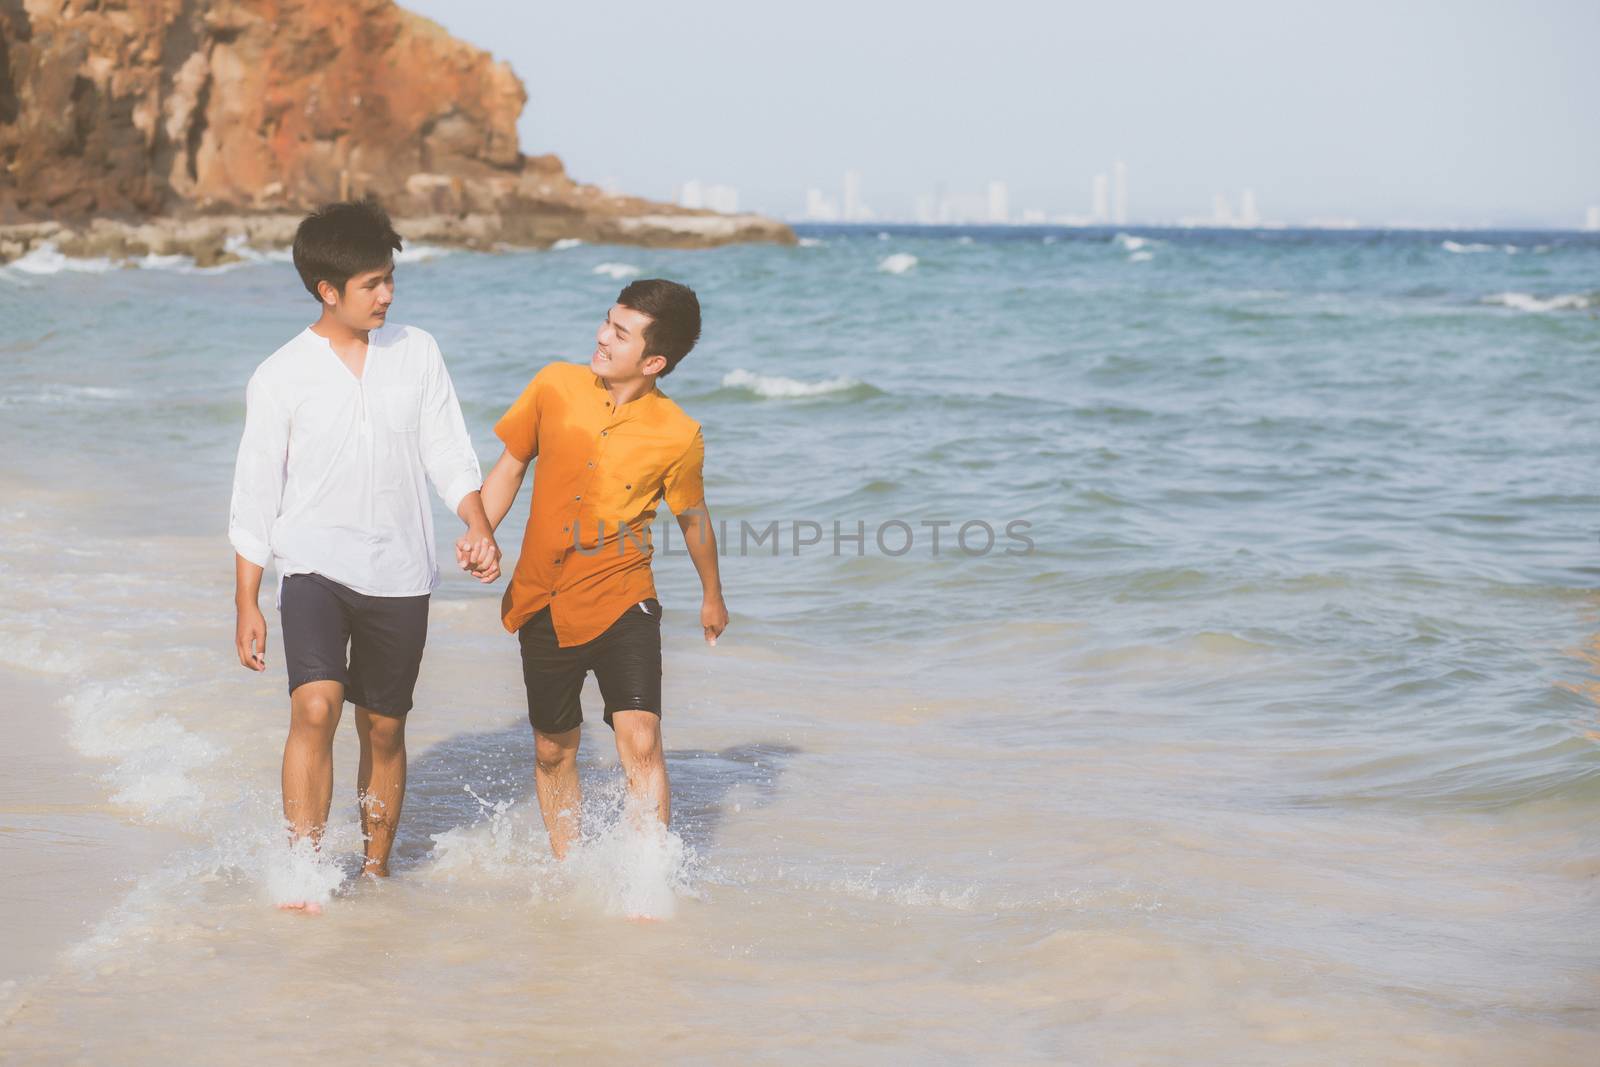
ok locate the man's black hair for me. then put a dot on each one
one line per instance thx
(674, 313)
(337, 242)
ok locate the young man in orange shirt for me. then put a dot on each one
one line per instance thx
(607, 446)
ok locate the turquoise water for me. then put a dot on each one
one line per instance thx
(1310, 605)
(1342, 450)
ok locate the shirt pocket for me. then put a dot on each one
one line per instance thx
(402, 409)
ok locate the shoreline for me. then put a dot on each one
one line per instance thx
(214, 240)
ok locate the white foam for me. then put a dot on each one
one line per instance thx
(45, 259)
(499, 844)
(964, 239)
(420, 254)
(300, 873)
(617, 270)
(1467, 249)
(566, 243)
(785, 388)
(898, 263)
(1129, 243)
(811, 242)
(1141, 257)
(634, 867)
(154, 757)
(172, 262)
(1529, 302)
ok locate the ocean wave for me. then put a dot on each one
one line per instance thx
(1529, 302)
(47, 259)
(811, 242)
(1141, 257)
(1474, 249)
(566, 243)
(898, 263)
(154, 756)
(421, 254)
(776, 388)
(66, 394)
(1129, 243)
(617, 271)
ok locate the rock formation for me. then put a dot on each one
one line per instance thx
(200, 109)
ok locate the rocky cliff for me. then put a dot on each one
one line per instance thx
(192, 110)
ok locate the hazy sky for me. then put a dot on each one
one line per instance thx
(1462, 112)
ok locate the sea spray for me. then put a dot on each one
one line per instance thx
(633, 866)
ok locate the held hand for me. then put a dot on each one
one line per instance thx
(250, 638)
(486, 560)
(713, 618)
(478, 553)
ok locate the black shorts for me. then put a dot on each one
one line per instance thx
(383, 635)
(626, 661)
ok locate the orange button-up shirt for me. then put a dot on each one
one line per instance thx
(599, 472)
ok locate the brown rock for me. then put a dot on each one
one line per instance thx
(147, 108)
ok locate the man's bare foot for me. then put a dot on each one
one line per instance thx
(308, 907)
(373, 870)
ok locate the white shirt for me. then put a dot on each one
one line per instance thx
(332, 470)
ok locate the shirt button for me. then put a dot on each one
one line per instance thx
(578, 497)
(591, 464)
(627, 487)
(603, 433)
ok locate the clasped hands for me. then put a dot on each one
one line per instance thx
(478, 554)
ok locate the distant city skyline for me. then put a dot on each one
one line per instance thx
(994, 206)
(1458, 114)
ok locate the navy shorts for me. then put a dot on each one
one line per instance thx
(371, 645)
(626, 661)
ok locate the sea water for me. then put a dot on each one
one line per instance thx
(1243, 711)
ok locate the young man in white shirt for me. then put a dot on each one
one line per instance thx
(344, 427)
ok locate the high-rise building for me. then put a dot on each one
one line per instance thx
(691, 194)
(819, 207)
(1247, 209)
(853, 208)
(999, 209)
(723, 198)
(926, 209)
(1591, 218)
(1119, 193)
(1221, 210)
(1100, 198)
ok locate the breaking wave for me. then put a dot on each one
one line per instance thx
(1529, 302)
(776, 388)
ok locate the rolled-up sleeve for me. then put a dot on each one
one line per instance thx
(447, 451)
(259, 473)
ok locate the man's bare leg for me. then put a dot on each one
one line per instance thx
(380, 784)
(555, 777)
(314, 711)
(639, 749)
